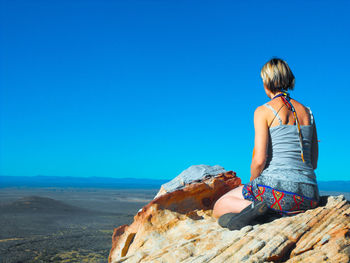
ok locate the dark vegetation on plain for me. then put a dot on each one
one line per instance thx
(64, 225)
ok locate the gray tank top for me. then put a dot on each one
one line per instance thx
(284, 154)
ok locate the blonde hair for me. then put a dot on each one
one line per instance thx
(277, 75)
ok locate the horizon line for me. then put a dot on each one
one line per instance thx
(143, 178)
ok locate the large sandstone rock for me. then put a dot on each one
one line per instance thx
(178, 226)
(193, 174)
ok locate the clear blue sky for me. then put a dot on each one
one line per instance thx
(147, 88)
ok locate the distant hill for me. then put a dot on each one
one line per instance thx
(120, 183)
(38, 204)
(80, 182)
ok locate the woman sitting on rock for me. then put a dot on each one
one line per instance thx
(284, 158)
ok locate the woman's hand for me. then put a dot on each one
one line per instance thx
(253, 177)
(260, 142)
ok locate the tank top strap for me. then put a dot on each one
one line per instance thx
(274, 111)
(311, 116)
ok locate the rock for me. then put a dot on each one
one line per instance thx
(195, 173)
(178, 227)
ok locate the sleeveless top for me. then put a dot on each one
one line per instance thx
(284, 154)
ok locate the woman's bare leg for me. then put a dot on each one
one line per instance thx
(231, 202)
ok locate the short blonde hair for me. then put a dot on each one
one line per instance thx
(277, 75)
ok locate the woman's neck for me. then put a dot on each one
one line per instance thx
(272, 95)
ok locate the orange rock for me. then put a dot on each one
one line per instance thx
(194, 196)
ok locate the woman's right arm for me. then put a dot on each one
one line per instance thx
(260, 142)
(314, 148)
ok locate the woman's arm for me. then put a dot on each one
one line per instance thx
(260, 142)
(314, 148)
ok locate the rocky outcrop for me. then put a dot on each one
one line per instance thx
(178, 226)
(195, 173)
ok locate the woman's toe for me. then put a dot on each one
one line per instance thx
(225, 219)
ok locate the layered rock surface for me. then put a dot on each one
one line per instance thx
(178, 226)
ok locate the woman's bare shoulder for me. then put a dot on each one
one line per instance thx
(303, 112)
(261, 114)
(298, 105)
(260, 110)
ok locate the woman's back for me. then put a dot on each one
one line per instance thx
(286, 115)
(288, 176)
(284, 159)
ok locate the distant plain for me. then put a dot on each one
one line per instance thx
(64, 224)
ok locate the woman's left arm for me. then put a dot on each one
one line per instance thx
(260, 142)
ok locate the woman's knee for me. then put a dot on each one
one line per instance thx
(229, 204)
(220, 205)
(236, 192)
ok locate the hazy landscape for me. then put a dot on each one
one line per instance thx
(71, 224)
(64, 225)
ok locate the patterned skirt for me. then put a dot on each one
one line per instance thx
(286, 198)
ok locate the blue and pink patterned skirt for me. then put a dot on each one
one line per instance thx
(304, 196)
